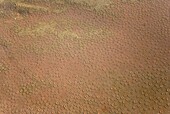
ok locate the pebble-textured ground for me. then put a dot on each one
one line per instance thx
(84, 57)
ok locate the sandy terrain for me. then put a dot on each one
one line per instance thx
(84, 57)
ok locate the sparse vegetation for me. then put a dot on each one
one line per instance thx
(34, 86)
(40, 29)
(80, 61)
(4, 43)
(3, 67)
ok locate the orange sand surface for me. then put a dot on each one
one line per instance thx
(85, 57)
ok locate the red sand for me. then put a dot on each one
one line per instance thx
(82, 62)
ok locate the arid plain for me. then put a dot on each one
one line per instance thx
(84, 56)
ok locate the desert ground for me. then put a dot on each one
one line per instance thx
(84, 56)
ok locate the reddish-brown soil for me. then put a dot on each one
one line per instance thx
(79, 61)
